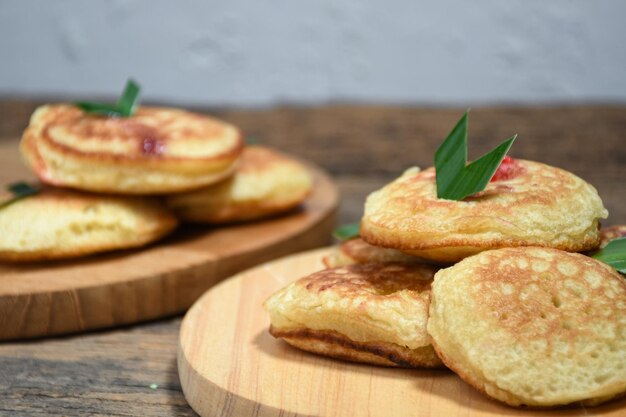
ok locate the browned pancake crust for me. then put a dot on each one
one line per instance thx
(358, 251)
(532, 326)
(336, 345)
(146, 140)
(155, 140)
(541, 206)
(374, 313)
(371, 279)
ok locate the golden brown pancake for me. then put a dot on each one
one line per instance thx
(266, 183)
(370, 313)
(539, 206)
(533, 326)
(157, 150)
(57, 224)
(357, 251)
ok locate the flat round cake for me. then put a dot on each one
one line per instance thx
(536, 205)
(157, 150)
(265, 183)
(371, 313)
(533, 326)
(59, 224)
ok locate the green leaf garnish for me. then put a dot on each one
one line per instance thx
(614, 254)
(347, 231)
(455, 178)
(125, 106)
(19, 190)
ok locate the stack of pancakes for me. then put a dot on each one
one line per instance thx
(114, 183)
(494, 287)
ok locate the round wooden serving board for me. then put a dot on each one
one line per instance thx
(229, 365)
(163, 279)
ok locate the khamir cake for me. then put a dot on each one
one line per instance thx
(155, 150)
(533, 326)
(534, 205)
(372, 313)
(58, 223)
(266, 182)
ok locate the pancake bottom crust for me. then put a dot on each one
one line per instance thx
(533, 326)
(265, 183)
(336, 345)
(373, 313)
(59, 224)
(357, 251)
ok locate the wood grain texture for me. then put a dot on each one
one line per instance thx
(95, 374)
(363, 147)
(124, 287)
(229, 365)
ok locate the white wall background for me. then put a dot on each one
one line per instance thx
(268, 51)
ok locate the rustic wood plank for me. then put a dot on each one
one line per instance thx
(102, 373)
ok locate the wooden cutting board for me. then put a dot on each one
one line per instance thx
(229, 365)
(163, 279)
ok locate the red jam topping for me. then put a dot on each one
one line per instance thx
(152, 146)
(509, 168)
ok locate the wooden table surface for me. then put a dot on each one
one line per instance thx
(111, 372)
